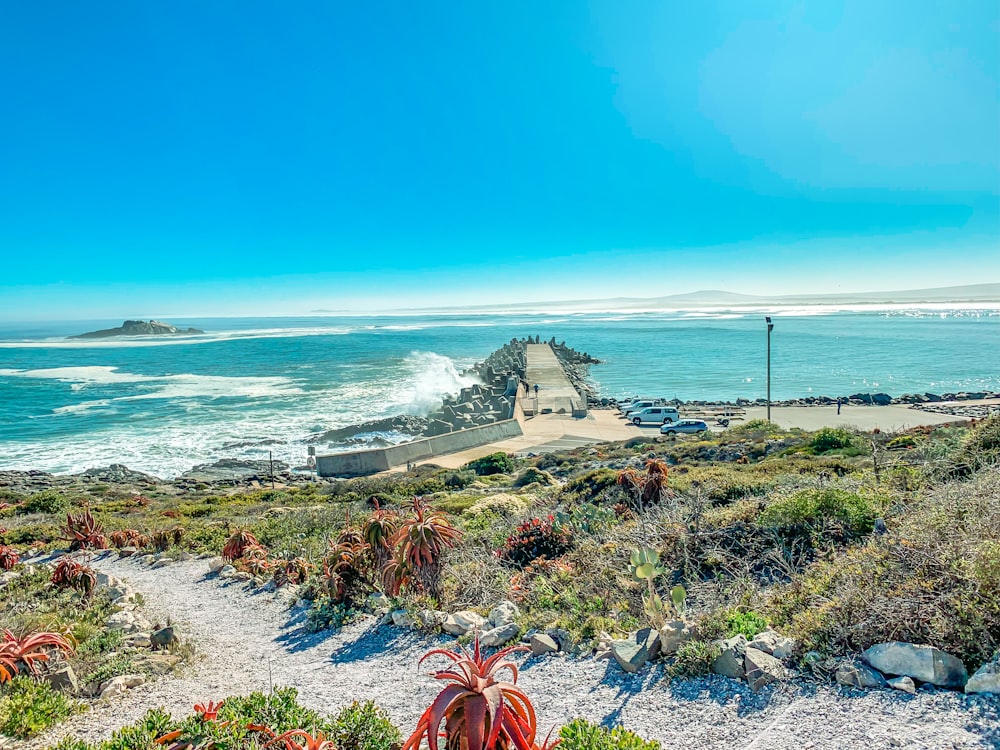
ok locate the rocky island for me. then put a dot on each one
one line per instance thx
(139, 328)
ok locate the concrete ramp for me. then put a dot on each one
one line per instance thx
(556, 395)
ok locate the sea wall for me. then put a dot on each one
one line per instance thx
(360, 463)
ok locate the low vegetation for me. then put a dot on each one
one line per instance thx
(840, 540)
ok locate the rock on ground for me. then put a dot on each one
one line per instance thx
(924, 663)
(248, 642)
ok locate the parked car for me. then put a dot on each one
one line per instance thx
(641, 404)
(684, 426)
(637, 403)
(657, 414)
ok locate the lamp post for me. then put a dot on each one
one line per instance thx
(770, 327)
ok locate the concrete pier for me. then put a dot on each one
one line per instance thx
(555, 395)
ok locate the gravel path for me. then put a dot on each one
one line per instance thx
(249, 641)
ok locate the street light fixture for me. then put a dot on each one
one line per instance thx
(770, 327)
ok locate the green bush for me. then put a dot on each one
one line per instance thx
(327, 614)
(933, 579)
(980, 448)
(28, 707)
(357, 727)
(590, 486)
(831, 439)
(747, 623)
(693, 659)
(494, 463)
(581, 734)
(532, 475)
(117, 665)
(48, 501)
(364, 726)
(815, 507)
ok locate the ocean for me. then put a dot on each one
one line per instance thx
(253, 385)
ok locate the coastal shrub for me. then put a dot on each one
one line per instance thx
(536, 537)
(591, 487)
(932, 579)
(748, 623)
(327, 614)
(48, 501)
(818, 506)
(501, 504)
(587, 519)
(117, 665)
(459, 480)
(755, 428)
(831, 439)
(364, 726)
(980, 448)
(494, 463)
(455, 504)
(693, 659)
(581, 734)
(27, 707)
(533, 475)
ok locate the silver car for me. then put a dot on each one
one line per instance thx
(685, 427)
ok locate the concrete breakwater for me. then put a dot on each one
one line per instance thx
(485, 412)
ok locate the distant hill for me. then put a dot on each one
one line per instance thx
(724, 299)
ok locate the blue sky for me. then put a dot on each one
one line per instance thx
(264, 157)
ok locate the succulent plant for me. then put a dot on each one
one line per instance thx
(28, 650)
(9, 557)
(84, 532)
(69, 573)
(237, 543)
(420, 541)
(479, 711)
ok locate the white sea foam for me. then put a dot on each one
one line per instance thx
(180, 386)
(432, 377)
(214, 337)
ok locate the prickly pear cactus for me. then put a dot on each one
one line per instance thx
(678, 595)
(645, 564)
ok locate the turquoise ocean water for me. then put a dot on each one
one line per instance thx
(252, 385)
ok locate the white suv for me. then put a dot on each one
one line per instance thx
(640, 404)
(657, 414)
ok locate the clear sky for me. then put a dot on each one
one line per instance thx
(275, 157)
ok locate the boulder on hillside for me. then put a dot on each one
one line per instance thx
(905, 684)
(633, 653)
(986, 679)
(503, 614)
(542, 643)
(924, 663)
(775, 644)
(672, 635)
(499, 635)
(461, 623)
(731, 661)
(63, 679)
(762, 669)
(857, 675)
